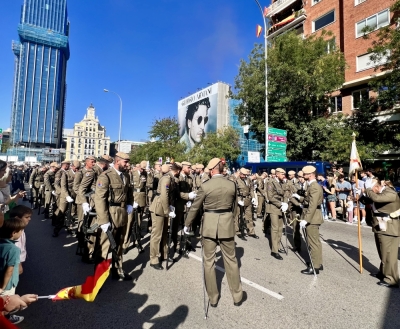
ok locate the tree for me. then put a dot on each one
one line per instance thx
(165, 133)
(301, 76)
(221, 144)
(5, 146)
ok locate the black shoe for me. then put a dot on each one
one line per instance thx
(157, 266)
(310, 271)
(282, 251)
(244, 298)
(387, 285)
(321, 268)
(276, 255)
(242, 237)
(122, 277)
(254, 236)
(298, 250)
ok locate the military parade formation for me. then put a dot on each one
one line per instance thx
(107, 203)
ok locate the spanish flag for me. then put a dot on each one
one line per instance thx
(258, 30)
(87, 291)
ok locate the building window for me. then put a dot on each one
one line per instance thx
(364, 62)
(359, 96)
(330, 45)
(373, 23)
(323, 21)
(336, 104)
(357, 2)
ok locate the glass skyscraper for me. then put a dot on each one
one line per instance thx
(41, 55)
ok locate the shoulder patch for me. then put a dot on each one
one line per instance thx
(167, 187)
(99, 183)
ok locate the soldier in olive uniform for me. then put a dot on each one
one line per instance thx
(139, 180)
(50, 191)
(113, 202)
(260, 189)
(57, 186)
(161, 209)
(298, 186)
(386, 201)
(311, 218)
(90, 161)
(276, 190)
(245, 189)
(219, 197)
(36, 181)
(63, 201)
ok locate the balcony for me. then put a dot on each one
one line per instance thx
(286, 24)
(278, 6)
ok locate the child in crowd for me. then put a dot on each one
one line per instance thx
(24, 213)
(350, 207)
(10, 232)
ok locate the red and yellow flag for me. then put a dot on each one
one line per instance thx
(266, 11)
(87, 291)
(258, 30)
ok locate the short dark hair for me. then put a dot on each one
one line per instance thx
(10, 226)
(341, 176)
(3, 164)
(20, 210)
(192, 109)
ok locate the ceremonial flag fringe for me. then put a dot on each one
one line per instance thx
(355, 162)
(87, 291)
(258, 30)
(266, 11)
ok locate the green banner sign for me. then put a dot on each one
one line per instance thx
(275, 158)
(272, 151)
(1, 130)
(276, 145)
(277, 132)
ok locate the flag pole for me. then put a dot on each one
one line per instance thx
(358, 215)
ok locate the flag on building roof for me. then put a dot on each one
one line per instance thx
(355, 162)
(87, 291)
(266, 11)
(258, 30)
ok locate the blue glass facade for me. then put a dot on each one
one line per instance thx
(41, 56)
(246, 143)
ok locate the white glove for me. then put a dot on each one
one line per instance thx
(54, 193)
(241, 203)
(172, 214)
(255, 186)
(129, 209)
(105, 227)
(186, 230)
(188, 204)
(192, 195)
(135, 205)
(303, 223)
(295, 195)
(69, 199)
(86, 208)
(30, 186)
(284, 206)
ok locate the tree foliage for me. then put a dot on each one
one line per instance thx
(301, 75)
(165, 135)
(221, 144)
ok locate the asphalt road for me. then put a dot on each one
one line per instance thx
(278, 295)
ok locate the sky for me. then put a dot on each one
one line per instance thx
(152, 53)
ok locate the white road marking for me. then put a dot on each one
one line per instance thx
(244, 280)
(70, 244)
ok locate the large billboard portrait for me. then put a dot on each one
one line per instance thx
(197, 115)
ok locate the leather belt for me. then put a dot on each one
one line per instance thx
(116, 204)
(305, 207)
(218, 211)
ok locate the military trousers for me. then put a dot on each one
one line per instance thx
(129, 230)
(390, 252)
(261, 200)
(158, 238)
(276, 231)
(315, 244)
(296, 229)
(178, 220)
(378, 249)
(102, 247)
(59, 215)
(231, 267)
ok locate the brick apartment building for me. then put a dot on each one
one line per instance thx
(346, 19)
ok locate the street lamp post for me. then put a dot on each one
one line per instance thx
(266, 79)
(120, 115)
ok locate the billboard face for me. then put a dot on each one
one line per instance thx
(197, 115)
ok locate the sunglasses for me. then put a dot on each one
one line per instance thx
(200, 119)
